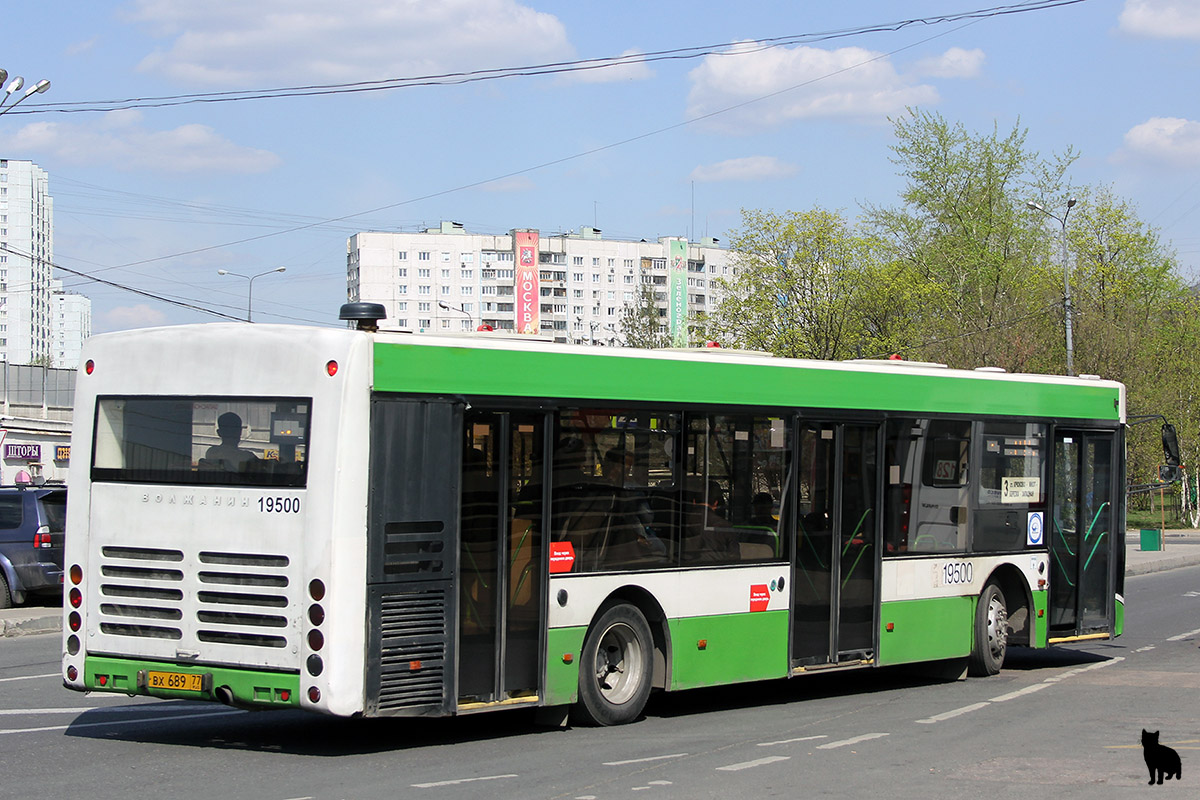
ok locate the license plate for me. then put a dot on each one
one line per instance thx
(175, 681)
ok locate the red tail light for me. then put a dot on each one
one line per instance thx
(42, 540)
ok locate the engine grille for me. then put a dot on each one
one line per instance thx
(241, 599)
(413, 649)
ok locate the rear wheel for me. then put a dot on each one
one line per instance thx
(615, 668)
(5, 593)
(991, 632)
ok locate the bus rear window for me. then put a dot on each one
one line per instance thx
(218, 441)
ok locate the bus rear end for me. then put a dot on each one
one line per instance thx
(199, 554)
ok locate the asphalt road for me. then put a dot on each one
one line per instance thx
(1067, 721)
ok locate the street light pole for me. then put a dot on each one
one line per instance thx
(1066, 276)
(442, 304)
(250, 289)
(17, 82)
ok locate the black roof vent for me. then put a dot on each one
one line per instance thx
(366, 315)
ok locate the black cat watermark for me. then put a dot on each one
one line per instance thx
(1162, 761)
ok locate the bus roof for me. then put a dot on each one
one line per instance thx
(479, 366)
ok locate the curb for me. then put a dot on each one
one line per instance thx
(30, 626)
(1189, 560)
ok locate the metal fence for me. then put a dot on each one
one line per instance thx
(34, 391)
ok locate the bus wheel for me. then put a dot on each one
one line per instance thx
(615, 668)
(991, 632)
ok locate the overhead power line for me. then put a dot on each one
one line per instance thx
(553, 68)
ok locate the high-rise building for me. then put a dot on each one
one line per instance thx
(572, 286)
(30, 317)
(71, 323)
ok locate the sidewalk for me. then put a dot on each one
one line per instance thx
(1180, 549)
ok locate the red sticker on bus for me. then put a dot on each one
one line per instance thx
(562, 557)
(760, 597)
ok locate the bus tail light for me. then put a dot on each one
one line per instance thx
(74, 621)
(331, 368)
(314, 694)
(76, 597)
(89, 367)
(76, 574)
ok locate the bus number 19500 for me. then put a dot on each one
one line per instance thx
(279, 505)
(957, 572)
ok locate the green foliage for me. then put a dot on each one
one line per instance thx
(641, 325)
(962, 271)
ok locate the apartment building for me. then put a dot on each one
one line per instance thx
(571, 286)
(35, 328)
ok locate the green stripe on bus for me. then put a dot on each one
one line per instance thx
(1041, 618)
(925, 630)
(1119, 623)
(250, 687)
(728, 648)
(535, 373)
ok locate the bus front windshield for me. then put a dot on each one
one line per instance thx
(219, 441)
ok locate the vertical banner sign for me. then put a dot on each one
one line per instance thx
(528, 318)
(677, 275)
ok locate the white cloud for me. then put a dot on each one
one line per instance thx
(749, 168)
(1161, 19)
(124, 317)
(288, 42)
(954, 63)
(631, 69)
(119, 141)
(847, 82)
(1168, 140)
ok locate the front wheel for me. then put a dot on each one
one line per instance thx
(615, 668)
(991, 632)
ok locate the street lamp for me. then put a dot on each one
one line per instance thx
(250, 289)
(17, 82)
(442, 304)
(1066, 276)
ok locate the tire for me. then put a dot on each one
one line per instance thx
(991, 633)
(5, 593)
(615, 668)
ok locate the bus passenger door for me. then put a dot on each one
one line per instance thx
(500, 558)
(1082, 534)
(837, 547)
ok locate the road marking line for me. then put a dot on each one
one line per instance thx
(1037, 687)
(792, 741)
(864, 738)
(29, 677)
(1183, 636)
(1144, 649)
(642, 760)
(1080, 670)
(458, 781)
(12, 712)
(950, 714)
(758, 762)
(157, 721)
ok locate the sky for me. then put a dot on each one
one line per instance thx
(158, 195)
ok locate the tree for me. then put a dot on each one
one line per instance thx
(963, 231)
(641, 324)
(796, 287)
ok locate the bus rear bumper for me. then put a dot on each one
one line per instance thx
(238, 687)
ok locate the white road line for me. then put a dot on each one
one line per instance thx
(1037, 687)
(30, 677)
(758, 762)
(16, 712)
(844, 742)
(157, 721)
(792, 741)
(642, 760)
(1145, 649)
(12, 712)
(1072, 673)
(1183, 636)
(458, 781)
(951, 714)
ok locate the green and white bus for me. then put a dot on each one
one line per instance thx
(363, 522)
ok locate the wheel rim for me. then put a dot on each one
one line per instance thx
(618, 664)
(997, 623)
